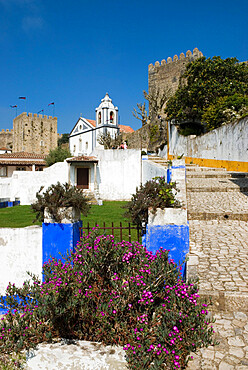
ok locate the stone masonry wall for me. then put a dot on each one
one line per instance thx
(167, 75)
(34, 133)
(6, 139)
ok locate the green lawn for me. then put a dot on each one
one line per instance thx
(110, 211)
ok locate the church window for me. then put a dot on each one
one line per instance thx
(41, 143)
(80, 127)
(80, 145)
(111, 117)
(86, 145)
(99, 118)
(74, 148)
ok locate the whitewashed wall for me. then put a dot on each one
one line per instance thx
(20, 251)
(25, 184)
(119, 173)
(151, 169)
(228, 142)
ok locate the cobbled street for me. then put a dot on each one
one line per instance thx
(217, 203)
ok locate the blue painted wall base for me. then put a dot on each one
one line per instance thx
(58, 238)
(172, 237)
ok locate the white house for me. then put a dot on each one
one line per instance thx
(84, 135)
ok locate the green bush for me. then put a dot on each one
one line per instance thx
(156, 193)
(225, 110)
(205, 81)
(58, 154)
(59, 196)
(114, 293)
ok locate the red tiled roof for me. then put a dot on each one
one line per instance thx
(21, 162)
(91, 121)
(126, 129)
(23, 155)
(82, 158)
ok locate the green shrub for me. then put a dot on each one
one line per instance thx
(114, 293)
(58, 154)
(226, 109)
(57, 196)
(156, 193)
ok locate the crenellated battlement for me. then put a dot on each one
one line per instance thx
(189, 55)
(34, 115)
(166, 75)
(7, 131)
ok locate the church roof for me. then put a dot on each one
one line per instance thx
(82, 158)
(126, 129)
(91, 121)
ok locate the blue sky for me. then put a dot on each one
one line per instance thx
(73, 52)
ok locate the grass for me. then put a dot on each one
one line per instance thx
(110, 211)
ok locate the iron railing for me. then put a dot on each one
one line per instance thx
(123, 232)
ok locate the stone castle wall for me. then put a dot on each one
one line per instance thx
(166, 76)
(34, 133)
(6, 139)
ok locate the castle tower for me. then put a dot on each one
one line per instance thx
(107, 114)
(34, 133)
(167, 74)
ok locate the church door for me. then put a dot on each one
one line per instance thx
(83, 178)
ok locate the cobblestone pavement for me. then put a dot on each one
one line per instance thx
(216, 203)
(219, 258)
(217, 184)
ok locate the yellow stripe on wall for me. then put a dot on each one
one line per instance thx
(215, 163)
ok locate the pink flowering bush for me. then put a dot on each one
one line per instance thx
(114, 293)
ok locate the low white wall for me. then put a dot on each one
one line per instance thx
(118, 173)
(228, 142)
(20, 251)
(163, 153)
(5, 187)
(25, 184)
(151, 170)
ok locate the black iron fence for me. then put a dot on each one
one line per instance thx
(128, 232)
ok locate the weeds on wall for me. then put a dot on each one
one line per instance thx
(114, 293)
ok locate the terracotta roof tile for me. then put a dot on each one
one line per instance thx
(23, 155)
(126, 129)
(21, 162)
(91, 121)
(82, 158)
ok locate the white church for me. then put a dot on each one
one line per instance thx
(84, 135)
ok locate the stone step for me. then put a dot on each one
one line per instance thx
(208, 174)
(217, 189)
(241, 216)
(90, 195)
(217, 174)
(197, 169)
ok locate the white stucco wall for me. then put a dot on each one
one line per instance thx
(228, 142)
(25, 184)
(5, 187)
(151, 170)
(118, 173)
(20, 251)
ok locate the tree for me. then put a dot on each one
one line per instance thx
(57, 155)
(108, 142)
(156, 100)
(64, 139)
(202, 84)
